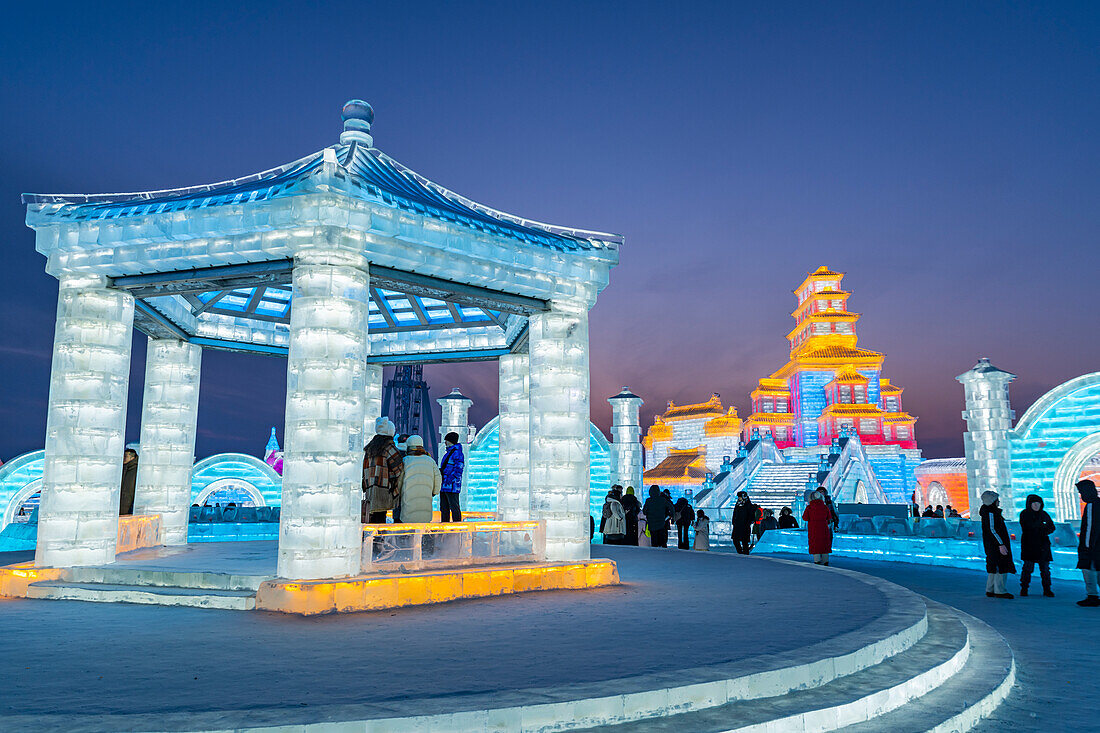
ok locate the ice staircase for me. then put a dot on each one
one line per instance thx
(106, 584)
(774, 485)
(955, 675)
(921, 666)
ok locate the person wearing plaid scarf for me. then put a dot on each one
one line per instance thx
(382, 470)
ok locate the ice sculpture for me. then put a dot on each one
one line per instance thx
(169, 417)
(514, 483)
(320, 533)
(558, 347)
(988, 418)
(626, 448)
(85, 424)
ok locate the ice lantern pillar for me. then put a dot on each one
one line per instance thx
(319, 532)
(455, 418)
(85, 424)
(626, 432)
(558, 346)
(169, 414)
(514, 483)
(988, 418)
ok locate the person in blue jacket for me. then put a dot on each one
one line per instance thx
(451, 467)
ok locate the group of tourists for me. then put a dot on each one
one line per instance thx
(1036, 526)
(406, 482)
(625, 520)
(940, 512)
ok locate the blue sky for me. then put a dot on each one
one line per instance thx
(944, 155)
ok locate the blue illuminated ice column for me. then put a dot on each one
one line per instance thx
(988, 418)
(626, 432)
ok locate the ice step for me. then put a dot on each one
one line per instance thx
(858, 697)
(240, 600)
(122, 575)
(961, 702)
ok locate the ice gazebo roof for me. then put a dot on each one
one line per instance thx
(451, 279)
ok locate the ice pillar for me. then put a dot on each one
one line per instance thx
(558, 346)
(988, 418)
(169, 413)
(319, 532)
(455, 418)
(514, 484)
(626, 432)
(85, 424)
(373, 409)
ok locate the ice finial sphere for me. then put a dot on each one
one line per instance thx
(358, 116)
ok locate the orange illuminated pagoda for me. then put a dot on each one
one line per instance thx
(830, 387)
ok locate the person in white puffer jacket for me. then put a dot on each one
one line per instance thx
(420, 483)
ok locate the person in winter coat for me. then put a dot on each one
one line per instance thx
(420, 483)
(613, 519)
(685, 517)
(129, 482)
(382, 469)
(632, 507)
(702, 531)
(1088, 546)
(998, 551)
(451, 467)
(744, 516)
(786, 519)
(818, 519)
(658, 512)
(1036, 527)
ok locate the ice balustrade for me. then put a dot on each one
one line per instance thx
(403, 547)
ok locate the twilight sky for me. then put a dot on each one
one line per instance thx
(944, 155)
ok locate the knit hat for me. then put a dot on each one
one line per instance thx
(383, 426)
(414, 441)
(988, 497)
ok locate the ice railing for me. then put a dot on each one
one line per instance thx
(403, 547)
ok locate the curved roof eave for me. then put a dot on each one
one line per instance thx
(376, 177)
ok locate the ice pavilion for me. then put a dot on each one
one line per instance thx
(341, 261)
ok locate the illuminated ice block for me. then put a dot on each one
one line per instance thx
(626, 446)
(558, 347)
(373, 408)
(85, 424)
(169, 412)
(319, 532)
(514, 482)
(988, 418)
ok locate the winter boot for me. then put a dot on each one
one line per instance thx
(1006, 595)
(1090, 601)
(1048, 592)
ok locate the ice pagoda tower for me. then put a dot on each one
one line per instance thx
(830, 384)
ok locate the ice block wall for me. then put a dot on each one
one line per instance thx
(558, 345)
(169, 414)
(319, 533)
(85, 424)
(514, 484)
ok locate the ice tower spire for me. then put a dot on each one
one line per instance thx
(358, 116)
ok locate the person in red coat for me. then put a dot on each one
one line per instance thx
(818, 518)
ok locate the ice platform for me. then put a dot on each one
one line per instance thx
(241, 576)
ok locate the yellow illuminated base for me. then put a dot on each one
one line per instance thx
(14, 579)
(373, 593)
